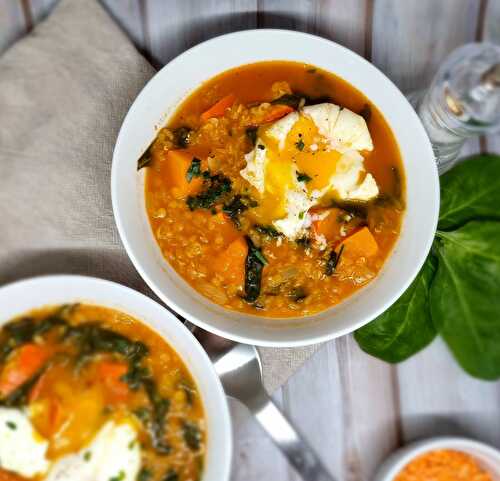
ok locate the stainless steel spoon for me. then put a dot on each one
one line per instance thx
(240, 371)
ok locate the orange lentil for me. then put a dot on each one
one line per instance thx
(443, 465)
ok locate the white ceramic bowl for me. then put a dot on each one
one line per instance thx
(22, 296)
(486, 456)
(159, 99)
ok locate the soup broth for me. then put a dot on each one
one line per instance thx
(229, 229)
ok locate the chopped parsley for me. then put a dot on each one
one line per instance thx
(87, 456)
(144, 474)
(301, 215)
(300, 144)
(267, 230)
(301, 177)
(11, 425)
(194, 169)
(120, 477)
(215, 186)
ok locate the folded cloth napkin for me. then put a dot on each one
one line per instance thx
(64, 91)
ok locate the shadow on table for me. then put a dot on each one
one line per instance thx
(191, 30)
(475, 426)
(109, 263)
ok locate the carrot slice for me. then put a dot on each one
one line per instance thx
(225, 227)
(23, 365)
(277, 112)
(230, 264)
(110, 374)
(174, 169)
(218, 109)
(360, 244)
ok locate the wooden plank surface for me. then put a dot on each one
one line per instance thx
(12, 23)
(353, 409)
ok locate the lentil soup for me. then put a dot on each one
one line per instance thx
(276, 189)
(87, 389)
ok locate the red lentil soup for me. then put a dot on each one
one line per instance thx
(78, 368)
(219, 231)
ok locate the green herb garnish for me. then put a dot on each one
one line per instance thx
(267, 230)
(215, 186)
(254, 265)
(181, 137)
(194, 169)
(145, 159)
(145, 474)
(333, 261)
(300, 144)
(87, 456)
(292, 100)
(301, 177)
(119, 477)
(251, 133)
(192, 435)
(11, 425)
(298, 294)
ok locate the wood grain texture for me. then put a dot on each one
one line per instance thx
(340, 20)
(491, 33)
(176, 26)
(41, 8)
(12, 23)
(410, 39)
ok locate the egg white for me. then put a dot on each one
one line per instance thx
(114, 453)
(22, 449)
(342, 130)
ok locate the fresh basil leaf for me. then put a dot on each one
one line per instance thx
(465, 296)
(406, 327)
(471, 190)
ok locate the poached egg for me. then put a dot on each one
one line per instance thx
(306, 158)
(113, 454)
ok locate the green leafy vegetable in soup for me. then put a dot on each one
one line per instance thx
(81, 381)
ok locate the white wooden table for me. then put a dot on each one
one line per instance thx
(353, 408)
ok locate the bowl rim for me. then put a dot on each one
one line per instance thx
(312, 338)
(114, 294)
(400, 458)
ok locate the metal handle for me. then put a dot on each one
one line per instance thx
(286, 438)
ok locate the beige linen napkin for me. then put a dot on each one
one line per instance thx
(64, 91)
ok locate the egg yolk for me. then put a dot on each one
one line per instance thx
(304, 151)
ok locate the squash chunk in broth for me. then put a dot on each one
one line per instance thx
(87, 393)
(276, 189)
